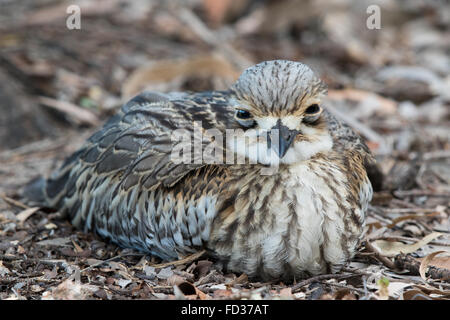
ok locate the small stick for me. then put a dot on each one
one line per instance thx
(75, 112)
(185, 260)
(318, 279)
(14, 202)
(429, 193)
(108, 260)
(343, 286)
(384, 260)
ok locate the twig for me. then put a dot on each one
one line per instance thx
(14, 202)
(185, 260)
(79, 115)
(44, 146)
(429, 193)
(110, 259)
(343, 286)
(400, 238)
(384, 260)
(318, 279)
(407, 210)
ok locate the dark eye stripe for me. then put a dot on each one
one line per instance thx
(242, 114)
(312, 109)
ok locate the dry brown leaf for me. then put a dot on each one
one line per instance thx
(201, 295)
(344, 294)
(243, 278)
(78, 249)
(25, 214)
(440, 262)
(432, 290)
(69, 290)
(423, 293)
(202, 268)
(175, 280)
(222, 293)
(393, 248)
(168, 71)
(286, 292)
(426, 263)
(415, 294)
(3, 270)
(412, 217)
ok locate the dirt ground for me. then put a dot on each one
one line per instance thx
(390, 82)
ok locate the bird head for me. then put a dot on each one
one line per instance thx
(278, 107)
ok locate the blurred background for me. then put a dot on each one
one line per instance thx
(58, 84)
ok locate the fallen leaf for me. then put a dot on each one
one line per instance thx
(395, 289)
(201, 295)
(243, 278)
(3, 270)
(168, 73)
(165, 273)
(415, 295)
(123, 282)
(78, 249)
(51, 274)
(69, 290)
(286, 292)
(222, 293)
(25, 214)
(150, 272)
(77, 114)
(58, 242)
(412, 217)
(393, 248)
(344, 294)
(202, 268)
(426, 263)
(175, 280)
(423, 293)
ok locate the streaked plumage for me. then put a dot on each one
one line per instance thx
(306, 218)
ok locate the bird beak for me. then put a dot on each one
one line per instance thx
(283, 135)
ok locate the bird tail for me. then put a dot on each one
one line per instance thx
(34, 192)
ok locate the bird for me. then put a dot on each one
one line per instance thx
(284, 198)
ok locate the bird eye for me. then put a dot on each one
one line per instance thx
(242, 114)
(312, 109)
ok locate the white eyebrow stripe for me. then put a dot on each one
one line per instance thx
(266, 123)
(292, 122)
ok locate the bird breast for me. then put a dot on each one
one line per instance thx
(303, 220)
